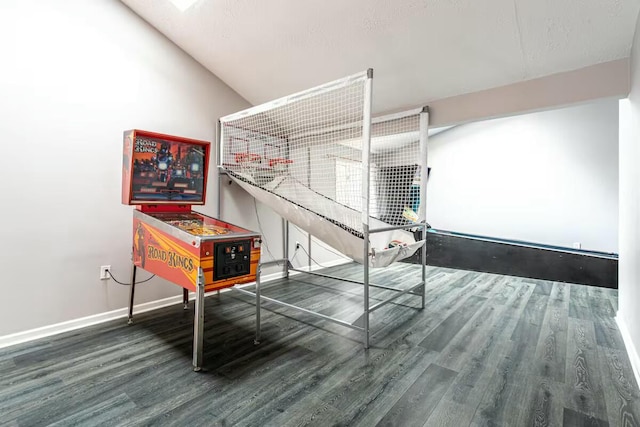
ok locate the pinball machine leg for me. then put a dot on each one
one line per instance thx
(132, 289)
(185, 299)
(258, 327)
(198, 324)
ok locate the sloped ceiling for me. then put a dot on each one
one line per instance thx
(420, 50)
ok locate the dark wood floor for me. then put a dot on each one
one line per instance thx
(487, 350)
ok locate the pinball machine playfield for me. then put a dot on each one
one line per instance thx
(163, 176)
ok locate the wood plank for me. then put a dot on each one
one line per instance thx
(454, 355)
(18, 399)
(545, 403)
(542, 287)
(496, 405)
(245, 361)
(551, 351)
(579, 307)
(450, 414)
(620, 388)
(113, 382)
(607, 333)
(368, 377)
(309, 411)
(503, 289)
(479, 373)
(6, 366)
(36, 346)
(528, 328)
(441, 301)
(464, 278)
(530, 401)
(99, 414)
(502, 396)
(559, 295)
(438, 339)
(263, 391)
(415, 406)
(599, 301)
(381, 399)
(486, 323)
(577, 419)
(606, 328)
(583, 383)
(612, 294)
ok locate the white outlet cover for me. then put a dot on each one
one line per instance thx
(103, 272)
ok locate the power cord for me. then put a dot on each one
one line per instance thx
(127, 284)
(299, 246)
(295, 253)
(322, 245)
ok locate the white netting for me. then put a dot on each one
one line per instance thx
(395, 170)
(308, 150)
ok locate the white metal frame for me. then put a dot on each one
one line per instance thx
(419, 289)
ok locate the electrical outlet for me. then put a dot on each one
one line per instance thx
(103, 272)
(577, 245)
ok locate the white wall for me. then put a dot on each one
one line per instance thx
(75, 74)
(549, 177)
(629, 263)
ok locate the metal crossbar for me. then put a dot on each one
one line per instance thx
(302, 309)
(343, 279)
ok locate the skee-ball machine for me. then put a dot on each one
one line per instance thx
(163, 176)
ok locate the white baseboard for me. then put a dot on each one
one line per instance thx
(631, 349)
(83, 322)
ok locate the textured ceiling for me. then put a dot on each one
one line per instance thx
(419, 50)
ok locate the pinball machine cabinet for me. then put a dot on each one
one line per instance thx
(163, 176)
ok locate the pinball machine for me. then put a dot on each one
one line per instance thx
(163, 176)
